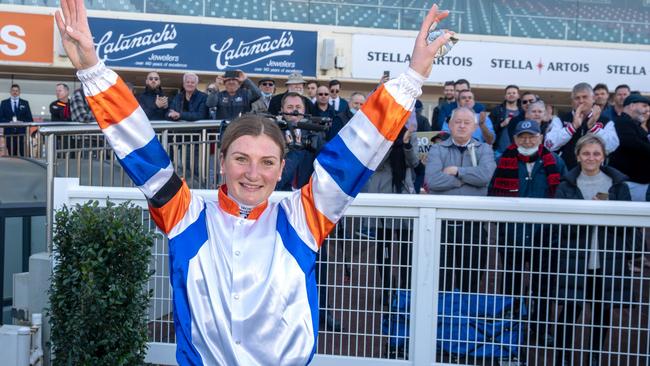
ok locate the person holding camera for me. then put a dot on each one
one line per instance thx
(563, 133)
(153, 101)
(302, 145)
(237, 97)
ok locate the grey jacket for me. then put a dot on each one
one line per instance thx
(381, 180)
(259, 106)
(474, 175)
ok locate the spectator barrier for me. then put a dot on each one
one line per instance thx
(423, 280)
(81, 151)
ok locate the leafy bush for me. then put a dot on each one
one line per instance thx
(98, 297)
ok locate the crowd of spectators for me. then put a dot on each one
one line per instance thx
(619, 119)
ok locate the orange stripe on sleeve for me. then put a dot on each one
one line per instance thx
(113, 105)
(385, 113)
(167, 216)
(319, 225)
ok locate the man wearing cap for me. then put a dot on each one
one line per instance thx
(237, 97)
(267, 88)
(295, 84)
(563, 133)
(633, 155)
(526, 169)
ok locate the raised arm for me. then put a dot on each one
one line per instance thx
(349, 159)
(125, 125)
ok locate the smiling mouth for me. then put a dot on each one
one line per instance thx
(250, 186)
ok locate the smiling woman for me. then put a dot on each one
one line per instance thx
(252, 152)
(242, 268)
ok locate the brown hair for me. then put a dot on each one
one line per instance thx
(590, 138)
(252, 125)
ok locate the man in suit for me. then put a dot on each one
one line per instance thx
(15, 109)
(267, 87)
(339, 104)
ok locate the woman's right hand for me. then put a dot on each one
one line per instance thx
(72, 22)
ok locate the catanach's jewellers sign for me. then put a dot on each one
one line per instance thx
(495, 63)
(203, 47)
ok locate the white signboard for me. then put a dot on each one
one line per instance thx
(499, 64)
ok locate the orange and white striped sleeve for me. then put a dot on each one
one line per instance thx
(137, 148)
(346, 163)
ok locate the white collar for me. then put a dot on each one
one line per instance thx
(461, 145)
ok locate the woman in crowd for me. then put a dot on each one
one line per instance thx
(591, 261)
(242, 268)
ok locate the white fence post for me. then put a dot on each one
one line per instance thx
(426, 250)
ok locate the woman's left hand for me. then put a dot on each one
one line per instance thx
(423, 52)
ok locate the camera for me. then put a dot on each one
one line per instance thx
(306, 133)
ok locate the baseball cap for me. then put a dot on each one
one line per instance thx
(230, 74)
(636, 98)
(527, 126)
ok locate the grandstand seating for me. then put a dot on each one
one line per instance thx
(585, 20)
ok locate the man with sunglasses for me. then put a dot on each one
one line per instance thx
(153, 101)
(323, 107)
(506, 126)
(267, 88)
(339, 104)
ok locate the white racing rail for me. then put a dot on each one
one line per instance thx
(393, 258)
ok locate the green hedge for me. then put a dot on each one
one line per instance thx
(98, 297)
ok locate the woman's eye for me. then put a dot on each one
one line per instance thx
(268, 162)
(240, 159)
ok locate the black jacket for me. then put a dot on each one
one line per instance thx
(633, 154)
(23, 114)
(572, 247)
(60, 111)
(500, 113)
(147, 100)
(229, 106)
(196, 110)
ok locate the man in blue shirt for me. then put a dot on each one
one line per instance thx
(485, 132)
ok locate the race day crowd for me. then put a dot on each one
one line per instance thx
(598, 150)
